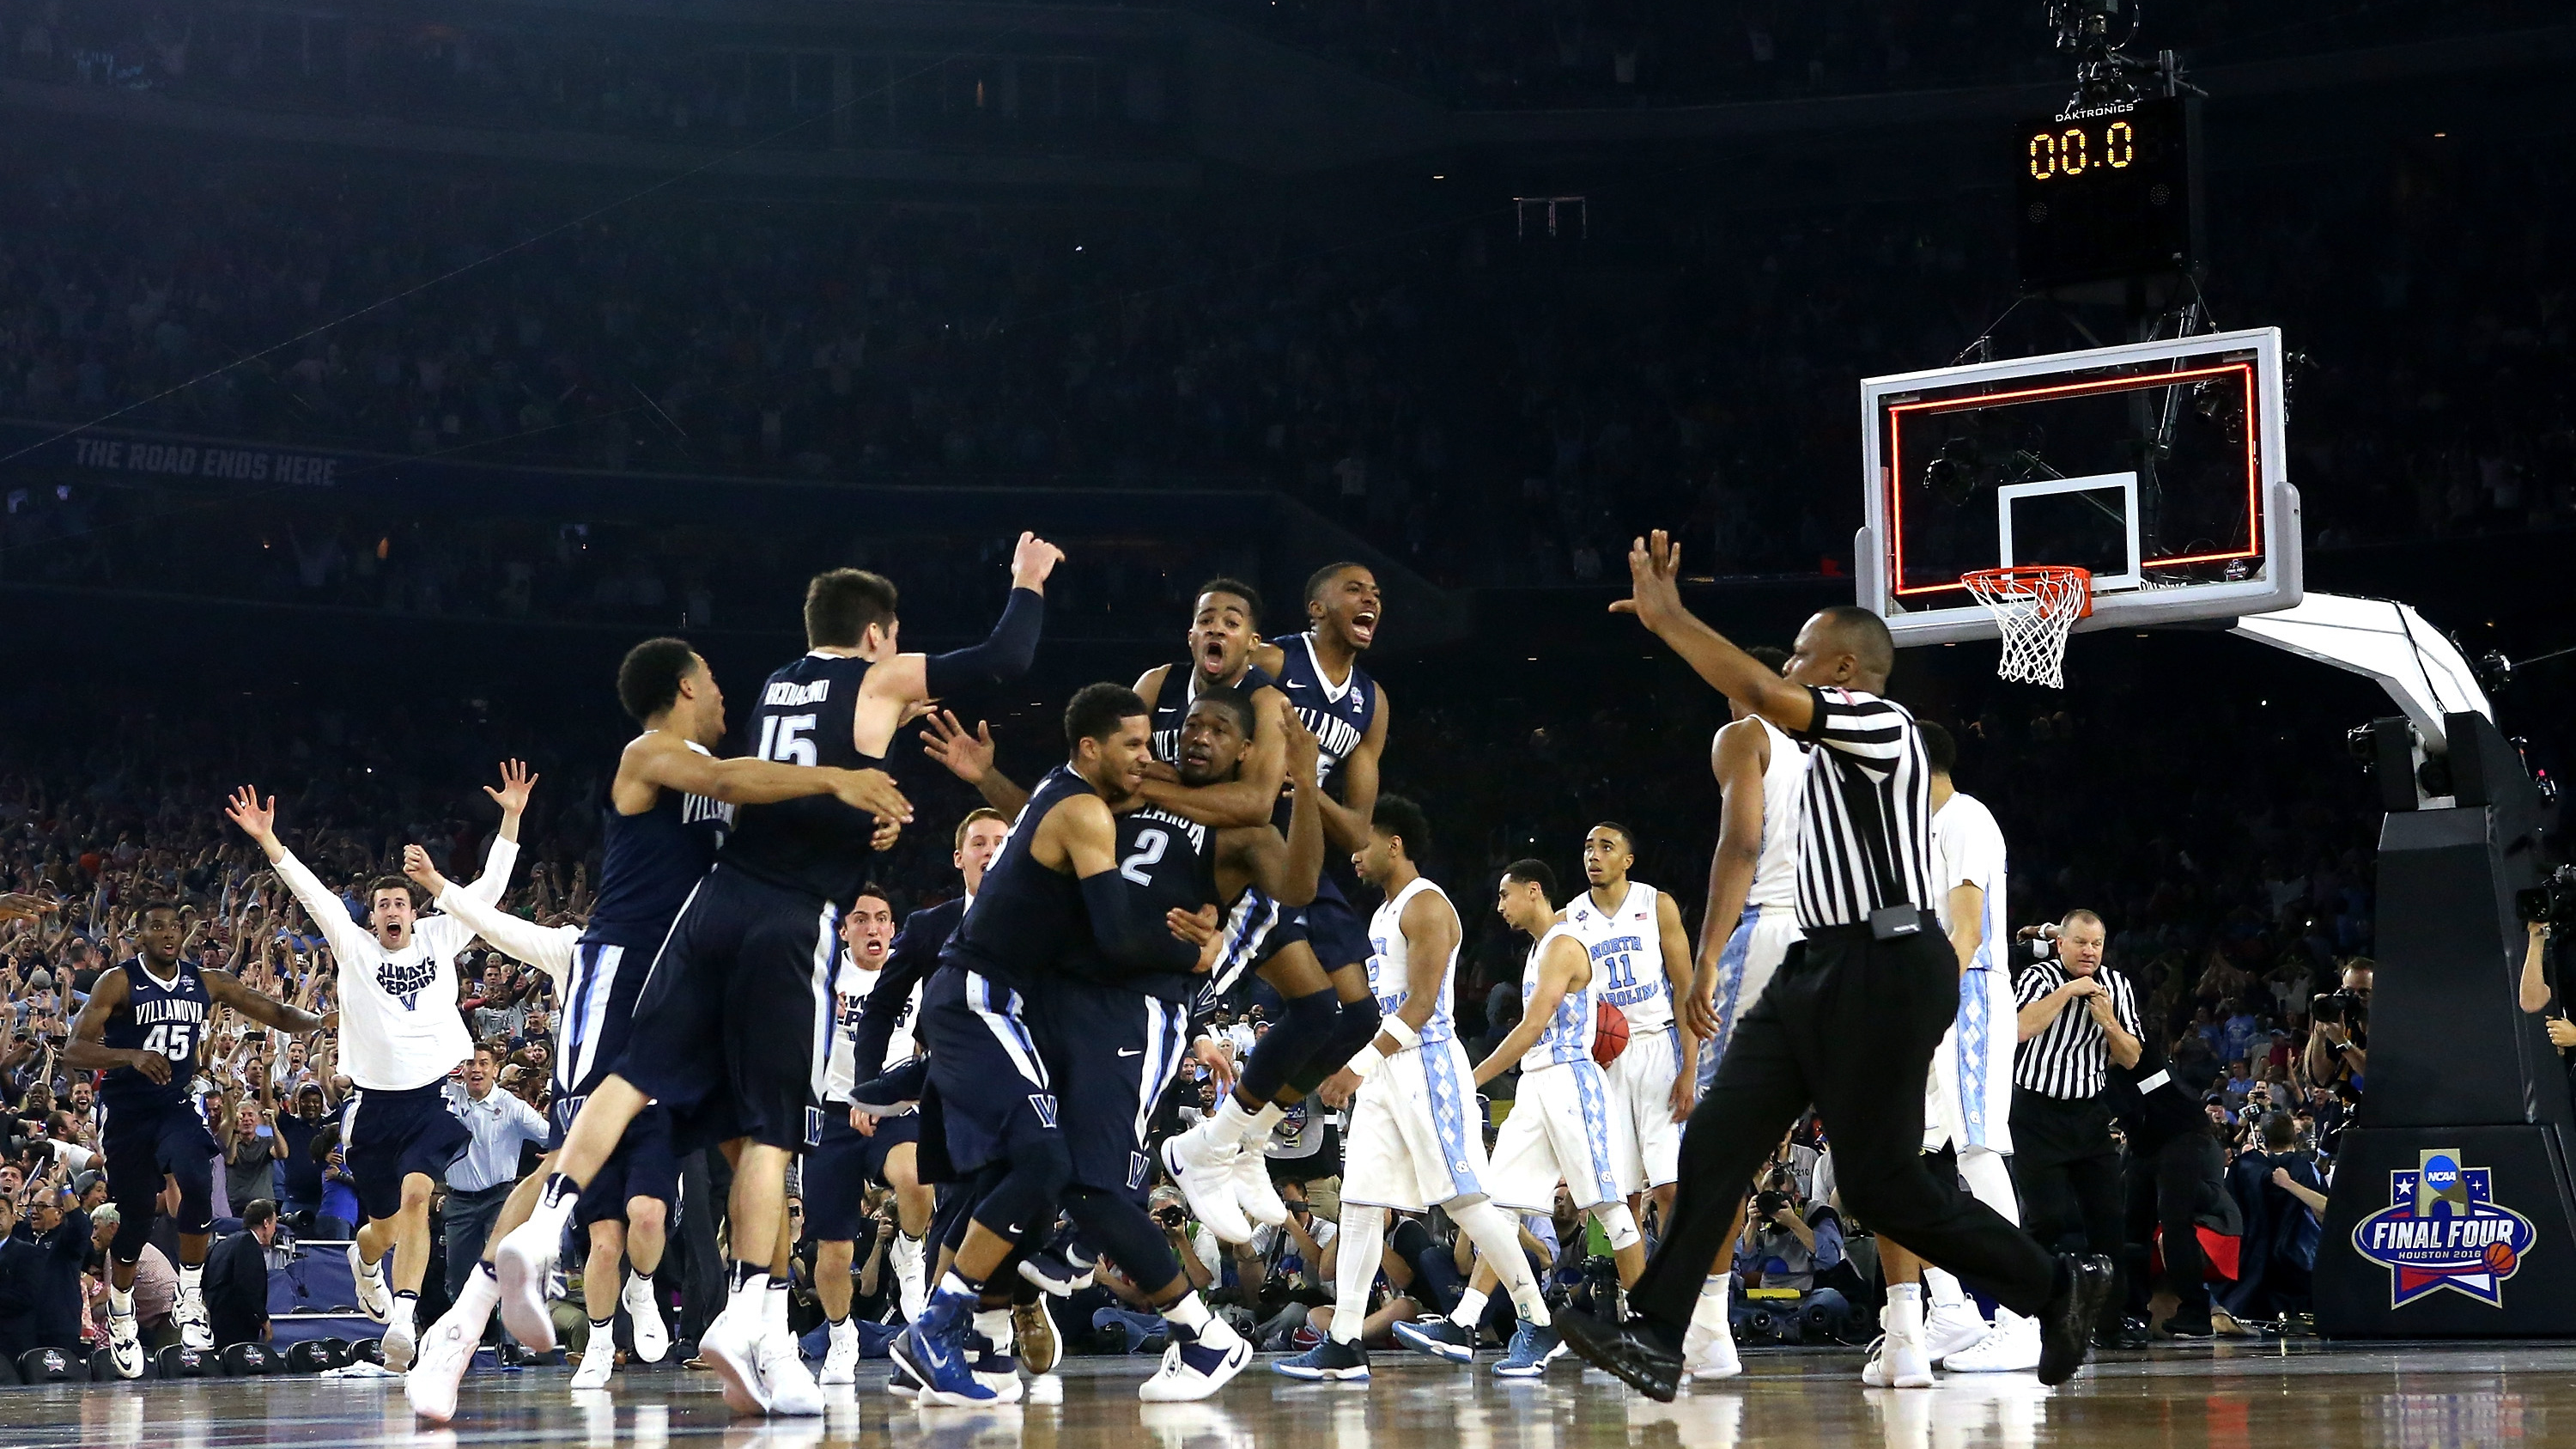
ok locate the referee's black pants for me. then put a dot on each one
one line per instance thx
(2067, 1170)
(1849, 1024)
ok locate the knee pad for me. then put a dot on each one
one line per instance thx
(1989, 1180)
(1355, 1025)
(1301, 1033)
(1620, 1224)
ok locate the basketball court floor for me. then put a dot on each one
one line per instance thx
(2229, 1397)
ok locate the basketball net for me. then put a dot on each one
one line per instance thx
(2034, 606)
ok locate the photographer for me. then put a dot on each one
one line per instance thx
(2339, 1031)
(1791, 1243)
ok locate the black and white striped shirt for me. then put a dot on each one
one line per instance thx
(1864, 813)
(2070, 1059)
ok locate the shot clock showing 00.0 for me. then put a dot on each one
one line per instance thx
(2075, 150)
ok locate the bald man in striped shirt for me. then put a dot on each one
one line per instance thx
(1852, 1018)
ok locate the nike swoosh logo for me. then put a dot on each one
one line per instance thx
(1296, 684)
(1131, 1051)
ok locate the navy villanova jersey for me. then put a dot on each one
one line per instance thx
(1170, 862)
(1339, 718)
(815, 845)
(650, 862)
(165, 1018)
(1026, 921)
(1172, 706)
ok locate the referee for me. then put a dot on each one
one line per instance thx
(2077, 1019)
(1853, 1017)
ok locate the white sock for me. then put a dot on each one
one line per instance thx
(1498, 1238)
(120, 1300)
(952, 1286)
(192, 1280)
(1942, 1288)
(1904, 1311)
(1229, 1122)
(404, 1306)
(749, 1297)
(773, 1318)
(476, 1300)
(1270, 1115)
(1470, 1310)
(1709, 1314)
(1190, 1315)
(1363, 1237)
(995, 1324)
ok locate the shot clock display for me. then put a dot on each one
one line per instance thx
(2107, 194)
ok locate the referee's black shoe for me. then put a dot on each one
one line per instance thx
(2066, 1324)
(1640, 1351)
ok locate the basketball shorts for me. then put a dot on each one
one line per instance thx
(1645, 1140)
(1327, 924)
(1416, 1137)
(644, 1165)
(839, 1169)
(1967, 1099)
(1744, 968)
(1561, 1126)
(1111, 1053)
(392, 1135)
(989, 1079)
(1250, 925)
(733, 1025)
(145, 1144)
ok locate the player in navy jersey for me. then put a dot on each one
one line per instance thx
(144, 1025)
(732, 1028)
(664, 816)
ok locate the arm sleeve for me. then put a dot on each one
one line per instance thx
(1129, 931)
(1871, 732)
(548, 948)
(497, 864)
(352, 946)
(1004, 655)
(914, 954)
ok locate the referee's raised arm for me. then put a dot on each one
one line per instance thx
(1655, 597)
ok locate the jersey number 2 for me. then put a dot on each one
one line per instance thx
(1150, 846)
(782, 738)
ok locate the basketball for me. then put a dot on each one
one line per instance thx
(2501, 1257)
(1610, 1035)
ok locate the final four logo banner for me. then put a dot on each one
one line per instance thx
(2443, 1228)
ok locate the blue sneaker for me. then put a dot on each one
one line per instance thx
(1532, 1346)
(1331, 1360)
(1435, 1335)
(1061, 1269)
(994, 1369)
(935, 1350)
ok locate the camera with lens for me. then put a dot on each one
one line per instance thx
(2552, 901)
(2338, 1006)
(1767, 1204)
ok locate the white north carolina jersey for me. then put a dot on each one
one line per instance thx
(1968, 849)
(399, 1023)
(1567, 1037)
(1627, 950)
(1387, 972)
(1775, 874)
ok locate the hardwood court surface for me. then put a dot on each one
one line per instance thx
(2305, 1396)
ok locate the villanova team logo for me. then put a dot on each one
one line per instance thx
(2443, 1228)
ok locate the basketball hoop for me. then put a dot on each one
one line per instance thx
(2034, 606)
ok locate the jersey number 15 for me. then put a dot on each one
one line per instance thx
(783, 738)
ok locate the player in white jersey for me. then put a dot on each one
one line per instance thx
(1750, 924)
(1641, 965)
(1563, 1122)
(400, 1035)
(1416, 1139)
(1967, 1107)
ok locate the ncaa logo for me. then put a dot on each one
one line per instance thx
(2443, 1229)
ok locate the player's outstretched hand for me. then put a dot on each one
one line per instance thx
(417, 867)
(968, 757)
(875, 792)
(15, 906)
(1032, 560)
(516, 783)
(1199, 928)
(1685, 1095)
(257, 820)
(1654, 581)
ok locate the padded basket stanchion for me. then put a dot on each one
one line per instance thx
(2034, 606)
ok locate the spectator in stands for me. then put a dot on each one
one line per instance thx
(252, 1145)
(46, 1244)
(237, 1278)
(299, 1172)
(336, 1220)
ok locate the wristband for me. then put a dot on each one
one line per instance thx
(1406, 1036)
(1367, 1062)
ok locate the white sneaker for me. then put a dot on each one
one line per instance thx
(374, 1299)
(401, 1344)
(1253, 1191)
(652, 1340)
(1205, 1171)
(1194, 1370)
(195, 1329)
(731, 1346)
(125, 1344)
(525, 1262)
(1709, 1352)
(438, 1367)
(911, 1279)
(2011, 1348)
(1949, 1330)
(841, 1361)
(1896, 1363)
(597, 1357)
(792, 1390)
